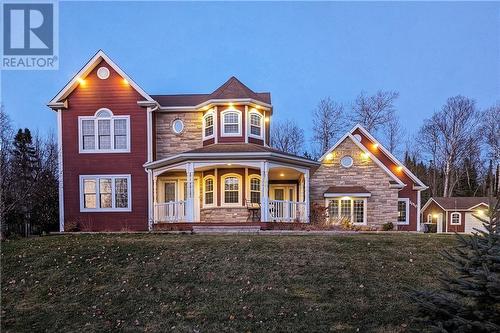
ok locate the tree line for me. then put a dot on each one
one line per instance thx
(28, 181)
(454, 151)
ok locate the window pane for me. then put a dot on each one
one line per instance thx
(255, 130)
(209, 185)
(121, 193)
(209, 191)
(88, 142)
(104, 130)
(209, 131)
(105, 192)
(231, 190)
(228, 128)
(89, 194)
(255, 184)
(88, 131)
(209, 198)
(231, 117)
(333, 209)
(255, 120)
(255, 197)
(359, 211)
(345, 209)
(120, 126)
(231, 197)
(401, 211)
(169, 191)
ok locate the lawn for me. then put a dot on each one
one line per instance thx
(219, 283)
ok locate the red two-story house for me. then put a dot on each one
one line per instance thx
(133, 161)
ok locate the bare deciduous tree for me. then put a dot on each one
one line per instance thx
(373, 112)
(449, 136)
(328, 123)
(394, 134)
(491, 128)
(287, 136)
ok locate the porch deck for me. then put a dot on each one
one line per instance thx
(188, 226)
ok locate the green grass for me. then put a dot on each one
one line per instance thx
(185, 283)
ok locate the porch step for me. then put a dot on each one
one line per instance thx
(226, 229)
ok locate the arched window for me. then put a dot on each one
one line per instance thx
(255, 189)
(208, 191)
(455, 218)
(231, 123)
(429, 218)
(104, 133)
(232, 189)
(208, 125)
(255, 124)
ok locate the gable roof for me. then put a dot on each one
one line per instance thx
(460, 203)
(231, 89)
(339, 190)
(348, 135)
(390, 155)
(57, 101)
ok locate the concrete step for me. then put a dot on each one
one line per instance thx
(226, 229)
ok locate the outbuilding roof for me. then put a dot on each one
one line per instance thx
(451, 203)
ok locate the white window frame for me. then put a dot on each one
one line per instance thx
(249, 187)
(429, 218)
(407, 201)
(96, 119)
(214, 191)
(339, 199)
(209, 113)
(223, 113)
(261, 125)
(223, 189)
(113, 192)
(459, 218)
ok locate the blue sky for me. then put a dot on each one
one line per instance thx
(300, 52)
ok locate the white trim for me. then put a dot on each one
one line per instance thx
(351, 198)
(429, 221)
(214, 191)
(479, 204)
(113, 178)
(96, 119)
(89, 66)
(367, 152)
(246, 124)
(103, 73)
(350, 159)
(249, 125)
(223, 113)
(216, 124)
(149, 119)
(459, 218)
(150, 200)
(223, 190)
(407, 204)
(336, 195)
(212, 114)
(389, 155)
(60, 171)
(418, 210)
(213, 102)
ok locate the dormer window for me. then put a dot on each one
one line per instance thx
(255, 124)
(208, 125)
(104, 133)
(231, 123)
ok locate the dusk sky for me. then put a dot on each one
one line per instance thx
(300, 52)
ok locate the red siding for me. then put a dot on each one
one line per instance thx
(407, 191)
(121, 99)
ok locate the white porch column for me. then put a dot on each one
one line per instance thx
(190, 192)
(264, 176)
(306, 194)
(151, 203)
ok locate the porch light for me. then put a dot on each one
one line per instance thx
(81, 81)
(435, 216)
(267, 119)
(125, 81)
(365, 155)
(329, 157)
(230, 164)
(375, 145)
(399, 168)
(282, 175)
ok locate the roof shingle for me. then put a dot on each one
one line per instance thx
(460, 202)
(347, 189)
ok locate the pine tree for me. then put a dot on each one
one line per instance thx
(469, 298)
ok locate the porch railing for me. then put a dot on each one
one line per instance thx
(173, 211)
(287, 211)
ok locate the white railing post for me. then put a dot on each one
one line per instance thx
(264, 174)
(190, 193)
(306, 195)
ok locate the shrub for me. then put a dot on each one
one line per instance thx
(387, 226)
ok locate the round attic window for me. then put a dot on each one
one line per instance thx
(357, 137)
(177, 126)
(346, 161)
(103, 73)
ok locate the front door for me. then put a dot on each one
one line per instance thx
(282, 208)
(183, 195)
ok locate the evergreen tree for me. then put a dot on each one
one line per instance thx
(469, 298)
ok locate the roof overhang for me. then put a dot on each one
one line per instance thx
(214, 102)
(225, 156)
(357, 195)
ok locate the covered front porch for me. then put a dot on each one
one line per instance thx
(229, 191)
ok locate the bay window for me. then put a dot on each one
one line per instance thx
(255, 124)
(105, 193)
(350, 209)
(104, 133)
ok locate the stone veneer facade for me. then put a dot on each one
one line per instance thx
(168, 143)
(383, 203)
(224, 214)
